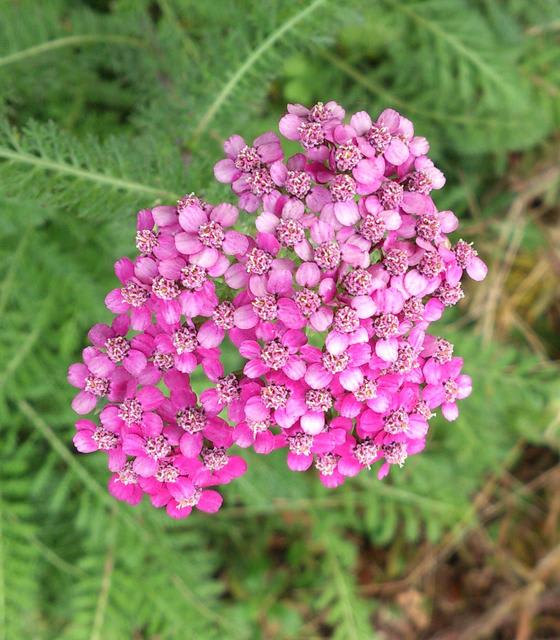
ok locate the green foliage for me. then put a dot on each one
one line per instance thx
(107, 107)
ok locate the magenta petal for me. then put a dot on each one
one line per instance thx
(226, 214)
(448, 221)
(317, 377)
(171, 268)
(152, 424)
(140, 318)
(313, 422)
(164, 216)
(417, 203)
(414, 282)
(361, 122)
(434, 395)
(350, 407)
(389, 118)
(397, 152)
(255, 368)
(279, 281)
(235, 243)
(322, 319)
(186, 362)
(191, 218)
(294, 368)
(99, 333)
(367, 171)
(299, 462)
(243, 436)
(255, 409)
(150, 398)
(116, 459)
(289, 314)
(450, 411)
(349, 467)
(236, 276)
(336, 343)
(124, 269)
(465, 386)
(83, 441)
(236, 467)
(477, 269)
(77, 374)
(210, 501)
(346, 213)
(289, 126)
(210, 335)
(233, 145)
(188, 244)
(265, 443)
(308, 275)
(351, 378)
(110, 418)
(250, 349)
(115, 303)
(84, 402)
(294, 339)
(190, 444)
(225, 171)
(245, 317)
(130, 493)
(383, 471)
(433, 310)
(145, 466)
(387, 350)
(135, 362)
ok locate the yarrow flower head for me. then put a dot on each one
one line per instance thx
(327, 303)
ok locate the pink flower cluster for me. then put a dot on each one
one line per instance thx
(328, 303)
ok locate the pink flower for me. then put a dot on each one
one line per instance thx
(114, 348)
(312, 127)
(445, 386)
(381, 137)
(123, 485)
(345, 367)
(424, 177)
(463, 257)
(242, 158)
(186, 495)
(147, 450)
(132, 297)
(328, 299)
(246, 168)
(216, 467)
(91, 437)
(260, 268)
(357, 455)
(303, 446)
(279, 352)
(137, 411)
(204, 234)
(257, 434)
(183, 344)
(96, 380)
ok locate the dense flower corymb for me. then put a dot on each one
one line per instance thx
(328, 302)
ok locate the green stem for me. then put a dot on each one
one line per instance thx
(84, 174)
(68, 41)
(249, 62)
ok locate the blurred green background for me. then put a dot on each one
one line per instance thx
(106, 107)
